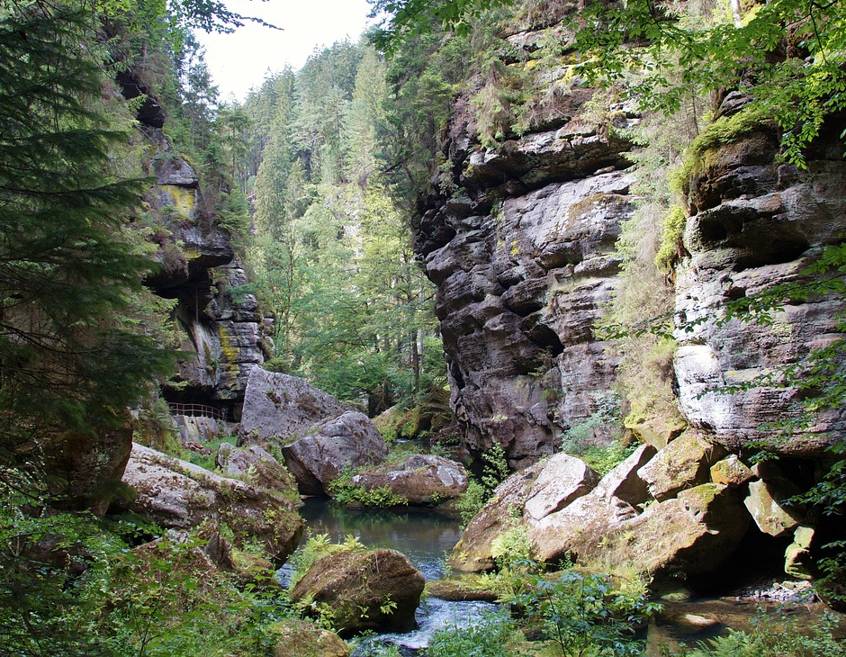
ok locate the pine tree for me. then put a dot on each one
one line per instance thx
(73, 351)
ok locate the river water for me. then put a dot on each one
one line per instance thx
(426, 538)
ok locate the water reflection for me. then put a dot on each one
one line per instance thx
(424, 536)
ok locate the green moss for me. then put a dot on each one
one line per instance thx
(672, 233)
(229, 353)
(721, 132)
(184, 200)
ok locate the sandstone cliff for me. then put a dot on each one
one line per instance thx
(520, 239)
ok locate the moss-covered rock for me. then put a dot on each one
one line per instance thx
(731, 471)
(363, 589)
(299, 638)
(180, 495)
(683, 463)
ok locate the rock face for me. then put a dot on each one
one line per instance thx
(755, 223)
(347, 441)
(420, 479)
(180, 495)
(279, 407)
(357, 584)
(522, 251)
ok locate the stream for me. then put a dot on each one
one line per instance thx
(424, 537)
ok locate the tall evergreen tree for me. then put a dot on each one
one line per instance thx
(73, 354)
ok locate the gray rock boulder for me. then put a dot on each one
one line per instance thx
(345, 442)
(420, 479)
(180, 495)
(624, 481)
(280, 407)
(257, 466)
(563, 479)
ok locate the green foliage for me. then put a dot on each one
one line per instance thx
(73, 585)
(74, 349)
(495, 468)
(787, 55)
(776, 634)
(343, 491)
(605, 419)
(488, 638)
(605, 459)
(471, 501)
(584, 615)
(672, 232)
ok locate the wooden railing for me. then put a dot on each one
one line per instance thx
(198, 410)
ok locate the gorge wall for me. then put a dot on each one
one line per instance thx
(222, 331)
(520, 240)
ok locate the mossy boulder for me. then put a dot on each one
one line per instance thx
(731, 471)
(692, 533)
(299, 638)
(461, 589)
(685, 462)
(180, 495)
(765, 503)
(364, 589)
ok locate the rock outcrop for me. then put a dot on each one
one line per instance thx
(755, 223)
(521, 247)
(365, 589)
(419, 479)
(256, 466)
(180, 495)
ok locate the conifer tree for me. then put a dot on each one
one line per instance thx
(73, 351)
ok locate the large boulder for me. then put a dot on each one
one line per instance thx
(279, 407)
(347, 441)
(692, 533)
(420, 479)
(684, 463)
(563, 479)
(365, 589)
(180, 495)
(623, 482)
(300, 638)
(474, 550)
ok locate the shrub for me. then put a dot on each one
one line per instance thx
(490, 638)
(777, 635)
(471, 501)
(585, 615)
(672, 231)
(344, 491)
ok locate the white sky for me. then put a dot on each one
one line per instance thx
(239, 61)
